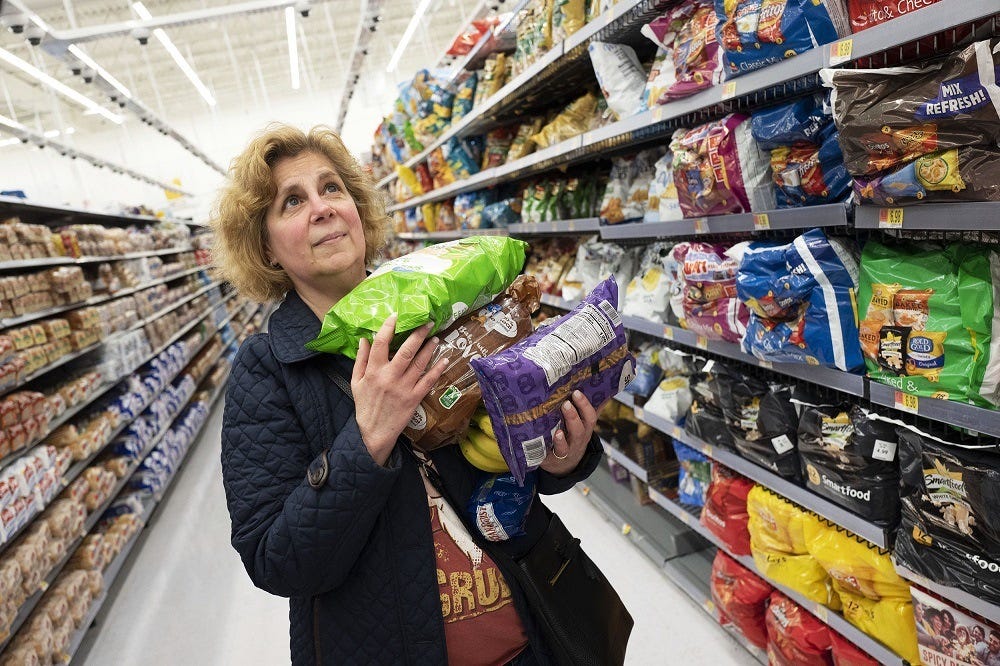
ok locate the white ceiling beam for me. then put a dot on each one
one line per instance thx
(367, 26)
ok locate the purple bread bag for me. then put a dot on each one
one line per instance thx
(525, 385)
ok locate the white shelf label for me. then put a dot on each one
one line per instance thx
(782, 444)
(884, 450)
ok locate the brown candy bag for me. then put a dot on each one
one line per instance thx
(445, 412)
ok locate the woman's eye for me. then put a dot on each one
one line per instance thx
(331, 188)
(292, 201)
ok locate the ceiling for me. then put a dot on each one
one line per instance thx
(242, 59)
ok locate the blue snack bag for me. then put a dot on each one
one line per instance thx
(694, 475)
(499, 506)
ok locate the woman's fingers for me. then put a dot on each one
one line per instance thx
(575, 427)
(587, 412)
(361, 361)
(423, 357)
(379, 353)
(408, 351)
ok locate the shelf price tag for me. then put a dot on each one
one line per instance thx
(709, 605)
(701, 342)
(639, 413)
(701, 225)
(668, 332)
(907, 402)
(761, 222)
(685, 518)
(821, 612)
(729, 90)
(626, 529)
(890, 218)
(609, 16)
(840, 52)
(658, 113)
(707, 451)
(571, 225)
(676, 432)
(44, 585)
(766, 364)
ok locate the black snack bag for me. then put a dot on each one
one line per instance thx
(705, 419)
(849, 457)
(950, 527)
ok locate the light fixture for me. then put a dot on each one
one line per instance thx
(9, 142)
(407, 35)
(51, 134)
(58, 86)
(293, 46)
(87, 60)
(160, 35)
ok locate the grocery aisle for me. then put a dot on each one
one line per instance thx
(187, 600)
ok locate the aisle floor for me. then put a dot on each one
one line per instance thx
(186, 599)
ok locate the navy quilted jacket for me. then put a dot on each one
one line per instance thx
(354, 555)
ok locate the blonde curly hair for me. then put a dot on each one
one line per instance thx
(240, 245)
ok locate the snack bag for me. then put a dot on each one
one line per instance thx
(687, 31)
(948, 635)
(616, 193)
(523, 143)
(867, 13)
(444, 413)
(499, 505)
(849, 457)
(705, 420)
(439, 283)
(927, 319)
(620, 77)
(568, 16)
(950, 492)
(694, 476)
(968, 173)
(661, 77)
(573, 120)
(524, 385)
(648, 293)
(709, 305)
(725, 513)
(664, 204)
(778, 545)
(794, 636)
(647, 371)
(846, 653)
(741, 597)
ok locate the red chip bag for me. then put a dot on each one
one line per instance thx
(741, 596)
(846, 653)
(725, 512)
(794, 636)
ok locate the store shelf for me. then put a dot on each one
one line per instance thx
(173, 306)
(96, 300)
(963, 599)
(556, 302)
(976, 419)
(35, 263)
(50, 367)
(634, 468)
(580, 225)
(88, 259)
(449, 235)
(829, 617)
(968, 216)
(46, 214)
(828, 215)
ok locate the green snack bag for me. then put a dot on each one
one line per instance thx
(438, 283)
(927, 318)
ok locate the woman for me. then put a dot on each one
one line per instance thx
(328, 507)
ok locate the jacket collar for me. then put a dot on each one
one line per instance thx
(291, 326)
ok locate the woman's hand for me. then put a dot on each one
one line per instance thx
(568, 447)
(387, 391)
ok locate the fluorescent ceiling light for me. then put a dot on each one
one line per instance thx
(58, 86)
(9, 142)
(69, 130)
(51, 134)
(144, 14)
(408, 35)
(12, 124)
(90, 62)
(293, 46)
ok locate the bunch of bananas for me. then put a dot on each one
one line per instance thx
(479, 445)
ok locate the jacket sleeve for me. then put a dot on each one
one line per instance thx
(294, 539)
(553, 485)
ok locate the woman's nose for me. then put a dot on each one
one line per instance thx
(319, 208)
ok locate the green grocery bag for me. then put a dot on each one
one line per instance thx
(438, 283)
(927, 319)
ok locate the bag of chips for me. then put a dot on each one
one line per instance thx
(573, 120)
(867, 13)
(568, 16)
(694, 475)
(725, 513)
(523, 143)
(709, 304)
(687, 32)
(846, 653)
(794, 636)
(647, 371)
(620, 77)
(648, 294)
(439, 283)
(741, 598)
(524, 385)
(661, 77)
(927, 317)
(464, 97)
(705, 420)
(664, 204)
(950, 494)
(499, 505)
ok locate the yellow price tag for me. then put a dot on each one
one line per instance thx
(571, 226)
(701, 342)
(701, 226)
(890, 218)
(658, 113)
(907, 402)
(840, 52)
(708, 451)
(44, 585)
(609, 15)
(766, 364)
(709, 605)
(668, 332)
(639, 413)
(626, 529)
(686, 518)
(676, 432)
(729, 90)
(761, 222)
(821, 612)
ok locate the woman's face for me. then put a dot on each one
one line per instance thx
(313, 226)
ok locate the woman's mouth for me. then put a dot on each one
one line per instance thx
(330, 238)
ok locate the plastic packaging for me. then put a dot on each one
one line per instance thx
(687, 32)
(794, 636)
(620, 77)
(725, 513)
(741, 598)
(694, 476)
(499, 505)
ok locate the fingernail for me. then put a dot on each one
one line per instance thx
(429, 325)
(435, 340)
(560, 436)
(567, 406)
(577, 394)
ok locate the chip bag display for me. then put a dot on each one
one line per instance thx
(709, 303)
(499, 505)
(779, 549)
(445, 411)
(573, 120)
(794, 636)
(874, 597)
(725, 512)
(950, 492)
(439, 283)
(694, 476)
(801, 298)
(741, 598)
(927, 317)
(620, 76)
(687, 33)
(524, 385)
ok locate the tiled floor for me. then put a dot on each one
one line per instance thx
(185, 598)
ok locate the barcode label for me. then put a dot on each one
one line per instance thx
(609, 310)
(534, 451)
(581, 335)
